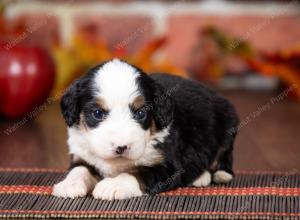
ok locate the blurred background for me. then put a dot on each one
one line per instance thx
(247, 50)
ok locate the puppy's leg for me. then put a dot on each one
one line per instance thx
(224, 172)
(159, 178)
(203, 180)
(79, 182)
(123, 186)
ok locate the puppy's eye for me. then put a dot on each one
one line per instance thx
(140, 114)
(98, 114)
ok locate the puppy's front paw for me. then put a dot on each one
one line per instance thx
(203, 180)
(79, 182)
(123, 186)
(221, 176)
(68, 189)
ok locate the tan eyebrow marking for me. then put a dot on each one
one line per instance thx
(138, 102)
(152, 127)
(102, 104)
(82, 124)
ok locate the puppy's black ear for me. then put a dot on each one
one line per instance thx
(163, 107)
(70, 104)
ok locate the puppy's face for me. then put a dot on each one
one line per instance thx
(115, 109)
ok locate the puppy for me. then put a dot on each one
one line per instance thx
(132, 133)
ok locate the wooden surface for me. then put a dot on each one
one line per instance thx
(268, 141)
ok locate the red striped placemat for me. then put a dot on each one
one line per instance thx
(26, 193)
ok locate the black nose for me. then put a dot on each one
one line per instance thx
(121, 149)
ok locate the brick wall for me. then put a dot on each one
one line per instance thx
(269, 26)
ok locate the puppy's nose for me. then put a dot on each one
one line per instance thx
(121, 149)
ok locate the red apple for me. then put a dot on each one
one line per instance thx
(26, 77)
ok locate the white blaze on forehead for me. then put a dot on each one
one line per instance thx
(116, 82)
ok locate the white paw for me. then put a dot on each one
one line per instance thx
(79, 182)
(222, 176)
(68, 189)
(203, 180)
(123, 186)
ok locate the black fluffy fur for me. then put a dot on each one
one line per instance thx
(202, 127)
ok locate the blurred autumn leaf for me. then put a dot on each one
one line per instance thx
(214, 51)
(216, 46)
(285, 64)
(81, 55)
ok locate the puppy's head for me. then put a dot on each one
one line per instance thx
(116, 108)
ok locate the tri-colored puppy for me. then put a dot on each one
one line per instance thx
(132, 133)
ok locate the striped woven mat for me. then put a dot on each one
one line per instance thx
(26, 193)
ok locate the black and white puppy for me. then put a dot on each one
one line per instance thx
(131, 133)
